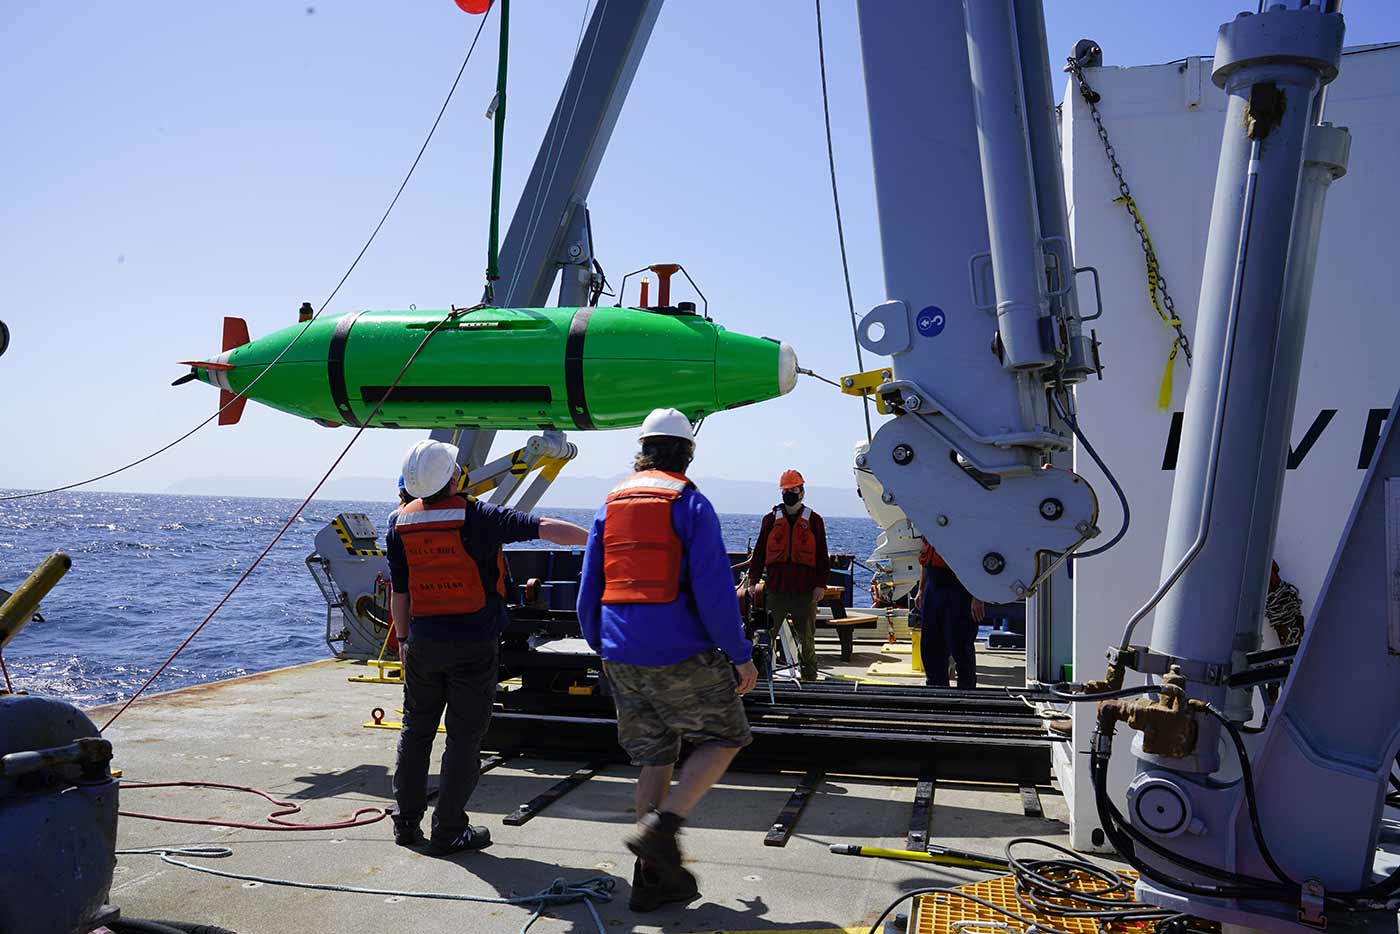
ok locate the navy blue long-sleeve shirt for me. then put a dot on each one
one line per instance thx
(704, 616)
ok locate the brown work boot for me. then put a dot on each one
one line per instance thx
(650, 890)
(655, 843)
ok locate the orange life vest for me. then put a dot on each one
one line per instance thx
(443, 577)
(791, 542)
(642, 553)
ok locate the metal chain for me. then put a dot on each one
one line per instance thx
(1156, 282)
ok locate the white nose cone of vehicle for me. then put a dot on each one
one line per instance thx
(787, 368)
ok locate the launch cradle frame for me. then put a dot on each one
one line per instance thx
(553, 703)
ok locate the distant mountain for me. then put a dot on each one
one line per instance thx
(269, 487)
(729, 496)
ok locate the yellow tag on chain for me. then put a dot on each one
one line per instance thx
(1164, 390)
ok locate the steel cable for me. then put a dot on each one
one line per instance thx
(560, 892)
(836, 203)
(453, 315)
(242, 394)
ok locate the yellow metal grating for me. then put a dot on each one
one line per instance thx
(936, 913)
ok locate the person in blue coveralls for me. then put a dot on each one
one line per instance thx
(950, 616)
(656, 602)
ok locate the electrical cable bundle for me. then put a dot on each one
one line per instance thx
(1065, 887)
(1070, 886)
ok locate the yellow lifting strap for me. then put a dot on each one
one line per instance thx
(1154, 295)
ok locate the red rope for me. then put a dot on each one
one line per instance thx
(456, 313)
(274, 821)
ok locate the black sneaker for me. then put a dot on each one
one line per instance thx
(473, 838)
(655, 842)
(406, 834)
(650, 891)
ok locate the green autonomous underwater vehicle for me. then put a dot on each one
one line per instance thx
(498, 368)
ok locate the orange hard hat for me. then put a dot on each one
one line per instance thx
(790, 479)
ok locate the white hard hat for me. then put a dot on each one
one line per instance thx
(667, 423)
(428, 467)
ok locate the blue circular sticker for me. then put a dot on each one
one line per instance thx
(931, 321)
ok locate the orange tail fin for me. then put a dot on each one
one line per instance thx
(230, 414)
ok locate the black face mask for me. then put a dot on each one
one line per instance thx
(791, 497)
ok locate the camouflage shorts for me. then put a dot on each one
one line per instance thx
(694, 700)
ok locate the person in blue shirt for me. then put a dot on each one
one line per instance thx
(405, 498)
(448, 610)
(656, 602)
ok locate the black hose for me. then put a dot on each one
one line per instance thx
(1126, 837)
(1073, 421)
(1049, 887)
(1123, 836)
(137, 926)
(1256, 730)
(142, 926)
(1056, 692)
(1251, 799)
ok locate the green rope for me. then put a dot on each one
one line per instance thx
(493, 259)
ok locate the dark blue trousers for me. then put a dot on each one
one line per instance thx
(459, 678)
(947, 630)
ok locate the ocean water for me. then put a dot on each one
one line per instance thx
(147, 568)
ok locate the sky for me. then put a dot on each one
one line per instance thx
(169, 164)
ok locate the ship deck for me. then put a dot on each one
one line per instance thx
(298, 733)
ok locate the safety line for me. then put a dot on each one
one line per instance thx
(274, 820)
(831, 382)
(275, 360)
(836, 202)
(455, 313)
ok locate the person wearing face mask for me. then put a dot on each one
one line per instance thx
(791, 547)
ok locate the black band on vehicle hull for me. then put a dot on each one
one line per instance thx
(335, 368)
(573, 369)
